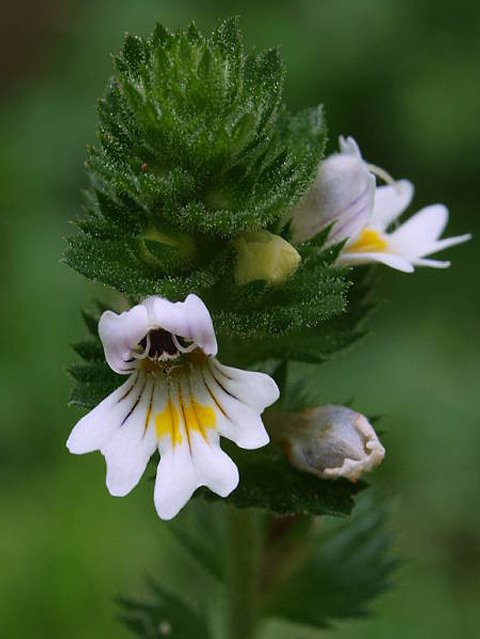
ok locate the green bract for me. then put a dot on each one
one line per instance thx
(195, 148)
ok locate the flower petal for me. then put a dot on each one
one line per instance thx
(93, 430)
(120, 334)
(176, 481)
(191, 459)
(182, 470)
(421, 231)
(201, 325)
(389, 259)
(349, 146)
(373, 454)
(418, 236)
(189, 319)
(447, 242)
(356, 215)
(343, 192)
(253, 388)
(420, 261)
(236, 420)
(127, 453)
(214, 468)
(390, 202)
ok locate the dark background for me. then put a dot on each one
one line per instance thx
(402, 77)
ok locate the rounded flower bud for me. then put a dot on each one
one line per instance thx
(329, 441)
(343, 192)
(264, 256)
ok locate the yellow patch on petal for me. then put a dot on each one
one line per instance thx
(168, 423)
(197, 417)
(370, 241)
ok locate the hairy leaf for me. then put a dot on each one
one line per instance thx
(269, 482)
(349, 567)
(195, 146)
(166, 615)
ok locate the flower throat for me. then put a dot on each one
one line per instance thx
(161, 345)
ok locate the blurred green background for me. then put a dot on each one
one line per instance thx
(402, 77)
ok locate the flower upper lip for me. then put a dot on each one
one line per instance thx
(121, 334)
(342, 191)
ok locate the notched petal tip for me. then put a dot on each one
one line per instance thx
(186, 468)
(348, 145)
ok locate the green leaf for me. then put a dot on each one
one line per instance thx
(201, 531)
(268, 481)
(350, 565)
(93, 379)
(327, 338)
(194, 140)
(89, 350)
(166, 615)
(258, 312)
(114, 261)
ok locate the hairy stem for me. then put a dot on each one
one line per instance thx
(243, 572)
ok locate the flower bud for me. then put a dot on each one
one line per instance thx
(156, 246)
(328, 441)
(343, 192)
(264, 256)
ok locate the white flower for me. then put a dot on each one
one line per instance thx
(410, 243)
(328, 441)
(345, 194)
(342, 192)
(178, 398)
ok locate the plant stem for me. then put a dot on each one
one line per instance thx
(288, 542)
(243, 570)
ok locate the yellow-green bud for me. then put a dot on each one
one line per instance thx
(264, 256)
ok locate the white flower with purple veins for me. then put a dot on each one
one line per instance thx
(178, 398)
(345, 194)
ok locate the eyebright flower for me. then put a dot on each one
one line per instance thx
(261, 255)
(345, 194)
(410, 243)
(178, 398)
(328, 441)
